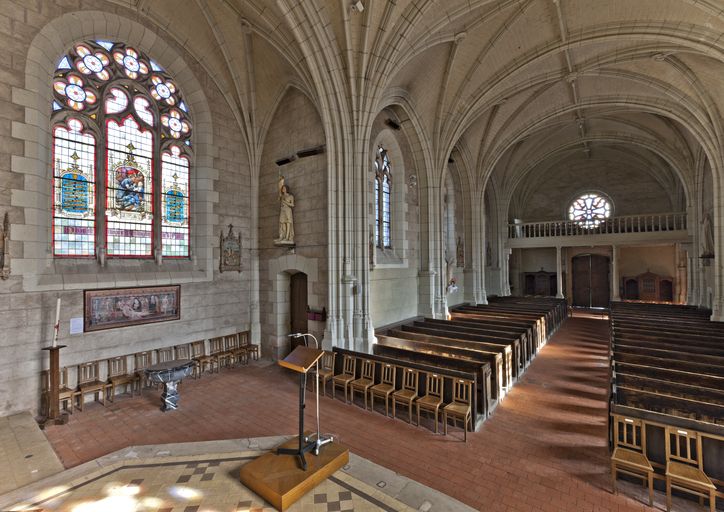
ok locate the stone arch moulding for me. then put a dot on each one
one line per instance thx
(37, 267)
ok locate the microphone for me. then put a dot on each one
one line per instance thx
(295, 335)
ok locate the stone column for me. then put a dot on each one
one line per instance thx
(559, 273)
(615, 279)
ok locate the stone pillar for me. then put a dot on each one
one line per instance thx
(615, 279)
(559, 273)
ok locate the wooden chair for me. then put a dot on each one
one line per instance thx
(365, 381)
(460, 406)
(685, 467)
(326, 369)
(235, 352)
(349, 367)
(385, 388)
(629, 452)
(66, 394)
(142, 360)
(184, 352)
(217, 351)
(408, 394)
(432, 400)
(89, 382)
(251, 348)
(164, 354)
(118, 376)
(201, 359)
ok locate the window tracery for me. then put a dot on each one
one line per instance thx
(589, 210)
(121, 142)
(383, 204)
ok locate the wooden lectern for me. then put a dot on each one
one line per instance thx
(301, 360)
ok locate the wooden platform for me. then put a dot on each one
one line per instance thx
(279, 480)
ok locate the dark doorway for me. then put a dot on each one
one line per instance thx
(591, 284)
(298, 306)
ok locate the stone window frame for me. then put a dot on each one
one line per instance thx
(36, 265)
(395, 256)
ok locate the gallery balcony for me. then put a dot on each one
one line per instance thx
(649, 227)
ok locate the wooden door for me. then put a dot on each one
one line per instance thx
(298, 306)
(591, 286)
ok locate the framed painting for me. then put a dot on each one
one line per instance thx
(123, 307)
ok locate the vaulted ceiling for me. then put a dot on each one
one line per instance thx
(517, 86)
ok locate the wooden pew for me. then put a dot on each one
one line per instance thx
(525, 334)
(413, 342)
(483, 375)
(534, 332)
(491, 335)
(510, 348)
(670, 375)
(671, 405)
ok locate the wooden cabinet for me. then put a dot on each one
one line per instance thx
(540, 283)
(648, 287)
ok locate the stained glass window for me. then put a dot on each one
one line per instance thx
(121, 136)
(589, 210)
(383, 183)
(175, 225)
(73, 190)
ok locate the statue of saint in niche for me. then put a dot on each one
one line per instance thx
(286, 220)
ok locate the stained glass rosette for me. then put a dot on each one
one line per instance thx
(589, 210)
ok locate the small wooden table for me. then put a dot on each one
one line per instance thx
(170, 373)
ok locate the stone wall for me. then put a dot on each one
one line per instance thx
(34, 36)
(296, 126)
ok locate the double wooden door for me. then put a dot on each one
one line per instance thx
(591, 283)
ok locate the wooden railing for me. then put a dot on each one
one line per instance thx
(643, 223)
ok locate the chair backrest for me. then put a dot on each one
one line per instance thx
(629, 433)
(64, 383)
(434, 385)
(409, 379)
(142, 360)
(243, 338)
(388, 374)
(462, 390)
(165, 354)
(216, 345)
(683, 446)
(117, 366)
(349, 365)
(197, 348)
(328, 360)
(231, 341)
(88, 372)
(368, 369)
(183, 351)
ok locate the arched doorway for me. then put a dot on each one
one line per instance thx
(591, 283)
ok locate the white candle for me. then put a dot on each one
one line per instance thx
(56, 327)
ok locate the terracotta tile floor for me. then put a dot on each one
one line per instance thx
(543, 449)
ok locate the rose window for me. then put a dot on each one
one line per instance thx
(589, 210)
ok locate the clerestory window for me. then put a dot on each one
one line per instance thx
(121, 156)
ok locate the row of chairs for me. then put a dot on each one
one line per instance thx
(684, 470)
(223, 351)
(407, 395)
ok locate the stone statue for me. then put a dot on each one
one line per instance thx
(286, 221)
(460, 249)
(707, 237)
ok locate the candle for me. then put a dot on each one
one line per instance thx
(56, 327)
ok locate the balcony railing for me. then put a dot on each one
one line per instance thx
(644, 223)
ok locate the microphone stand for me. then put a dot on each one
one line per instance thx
(320, 439)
